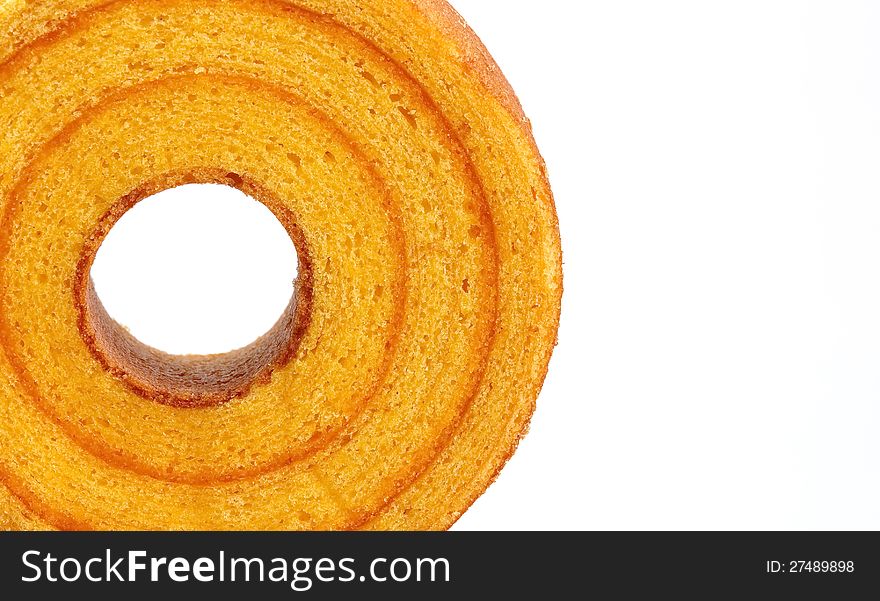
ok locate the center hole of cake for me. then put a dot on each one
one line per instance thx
(196, 292)
(199, 269)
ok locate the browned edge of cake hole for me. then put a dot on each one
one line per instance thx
(191, 381)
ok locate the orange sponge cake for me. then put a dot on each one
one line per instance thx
(386, 141)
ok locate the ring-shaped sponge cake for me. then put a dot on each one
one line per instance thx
(384, 138)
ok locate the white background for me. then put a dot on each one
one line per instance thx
(715, 171)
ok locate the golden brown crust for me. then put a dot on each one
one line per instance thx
(475, 54)
(192, 380)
